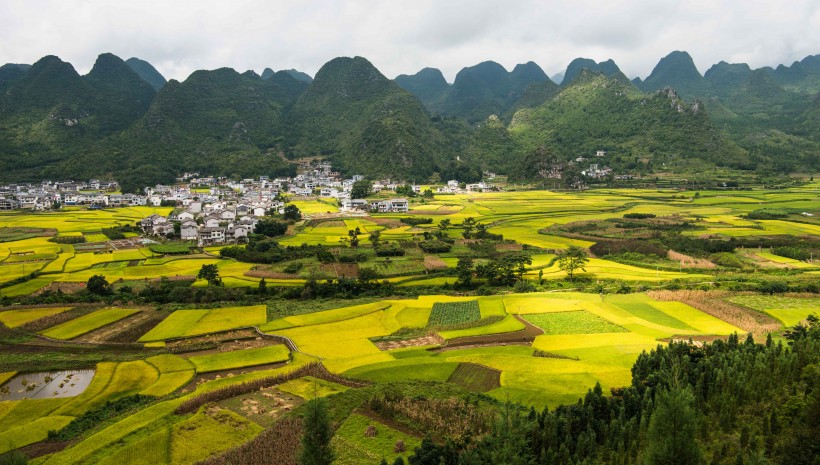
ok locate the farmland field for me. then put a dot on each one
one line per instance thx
(427, 329)
(15, 318)
(577, 322)
(240, 358)
(454, 313)
(87, 323)
(789, 310)
(195, 322)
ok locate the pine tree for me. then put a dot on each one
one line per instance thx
(671, 434)
(316, 437)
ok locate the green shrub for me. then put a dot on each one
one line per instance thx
(172, 249)
(726, 259)
(113, 233)
(392, 249)
(435, 246)
(416, 221)
(791, 252)
(293, 268)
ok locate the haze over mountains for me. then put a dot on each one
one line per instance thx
(124, 120)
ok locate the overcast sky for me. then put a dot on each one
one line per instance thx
(401, 37)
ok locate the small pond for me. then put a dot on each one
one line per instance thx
(46, 385)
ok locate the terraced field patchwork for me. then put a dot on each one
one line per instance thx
(309, 387)
(240, 358)
(577, 322)
(150, 450)
(111, 381)
(29, 287)
(168, 383)
(508, 325)
(32, 432)
(87, 323)
(641, 306)
(789, 310)
(15, 318)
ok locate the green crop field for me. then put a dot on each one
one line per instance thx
(789, 310)
(87, 323)
(352, 446)
(595, 326)
(309, 387)
(454, 313)
(15, 318)
(240, 358)
(183, 323)
(577, 322)
(204, 435)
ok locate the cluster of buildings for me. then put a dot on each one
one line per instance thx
(381, 206)
(454, 187)
(206, 224)
(47, 194)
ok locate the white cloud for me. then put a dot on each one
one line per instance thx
(402, 37)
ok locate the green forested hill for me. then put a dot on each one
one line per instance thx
(52, 117)
(365, 123)
(596, 112)
(677, 70)
(428, 85)
(147, 72)
(216, 122)
(55, 123)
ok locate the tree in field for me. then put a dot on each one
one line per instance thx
(468, 225)
(210, 273)
(97, 284)
(361, 189)
(444, 224)
(353, 234)
(375, 237)
(316, 436)
(464, 271)
(270, 228)
(670, 439)
(572, 259)
(292, 213)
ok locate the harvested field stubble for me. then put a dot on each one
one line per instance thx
(713, 303)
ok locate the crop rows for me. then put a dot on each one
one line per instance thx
(454, 313)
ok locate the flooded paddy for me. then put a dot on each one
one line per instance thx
(46, 385)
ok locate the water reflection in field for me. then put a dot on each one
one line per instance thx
(46, 385)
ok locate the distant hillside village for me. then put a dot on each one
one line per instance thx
(217, 210)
